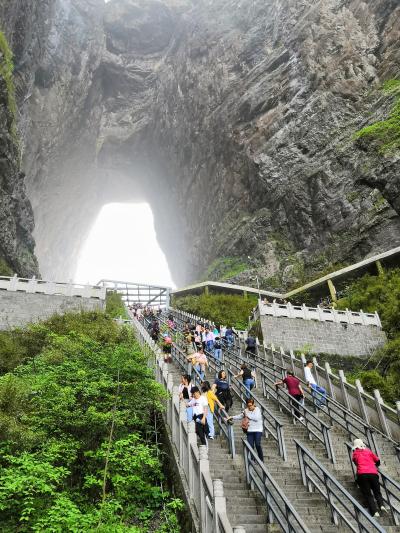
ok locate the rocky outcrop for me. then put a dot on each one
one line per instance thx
(17, 41)
(235, 120)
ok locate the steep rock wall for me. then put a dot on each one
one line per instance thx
(234, 119)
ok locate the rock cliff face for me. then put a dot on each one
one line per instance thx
(234, 120)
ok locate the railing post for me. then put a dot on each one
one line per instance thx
(192, 442)
(316, 367)
(204, 469)
(398, 410)
(174, 399)
(219, 503)
(182, 422)
(32, 285)
(343, 381)
(331, 390)
(361, 403)
(381, 414)
(12, 286)
(292, 361)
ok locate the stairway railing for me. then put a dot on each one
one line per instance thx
(278, 507)
(342, 504)
(380, 416)
(351, 422)
(272, 426)
(372, 409)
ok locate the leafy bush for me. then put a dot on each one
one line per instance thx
(115, 306)
(377, 293)
(226, 309)
(380, 293)
(76, 426)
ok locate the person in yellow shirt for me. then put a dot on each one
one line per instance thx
(212, 400)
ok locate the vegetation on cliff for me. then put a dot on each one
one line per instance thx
(386, 132)
(78, 428)
(227, 309)
(380, 293)
(6, 72)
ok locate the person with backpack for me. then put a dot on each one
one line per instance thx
(251, 345)
(199, 404)
(223, 391)
(368, 477)
(229, 336)
(248, 377)
(184, 391)
(212, 399)
(252, 425)
(293, 385)
(209, 339)
(218, 349)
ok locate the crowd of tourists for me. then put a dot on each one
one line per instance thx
(204, 340)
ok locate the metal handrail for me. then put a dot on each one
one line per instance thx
(279, 509)
(272, 426)
(348, 420)
(381, 409)
(220, 415)
(387, 485)
(181, 360)
(316, 476)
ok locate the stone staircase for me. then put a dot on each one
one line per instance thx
(310, 506)
(243, 506)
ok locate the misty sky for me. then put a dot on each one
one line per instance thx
(122, 245)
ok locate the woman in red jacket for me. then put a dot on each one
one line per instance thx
(368, 477)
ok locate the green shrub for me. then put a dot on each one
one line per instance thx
(226, 309)
(115, 306)
(83, 397)
(380, 293)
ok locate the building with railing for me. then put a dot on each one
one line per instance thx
(320, 330)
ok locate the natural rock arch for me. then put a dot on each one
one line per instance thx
(234, 120)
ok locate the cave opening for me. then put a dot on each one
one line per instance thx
(122, 245)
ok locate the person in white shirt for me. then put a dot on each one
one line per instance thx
(318, 393)
(254, 431)
(199, 405)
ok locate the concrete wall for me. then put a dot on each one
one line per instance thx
(20, 308)
(321, 337)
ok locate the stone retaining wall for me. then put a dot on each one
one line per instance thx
(321, 337)
(21, 308)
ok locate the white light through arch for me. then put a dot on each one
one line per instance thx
(122, 245)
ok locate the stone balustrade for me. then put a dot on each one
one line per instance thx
(318, 313)
(40, 286)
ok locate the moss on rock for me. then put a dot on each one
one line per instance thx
(386, 132)
(6, 72)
